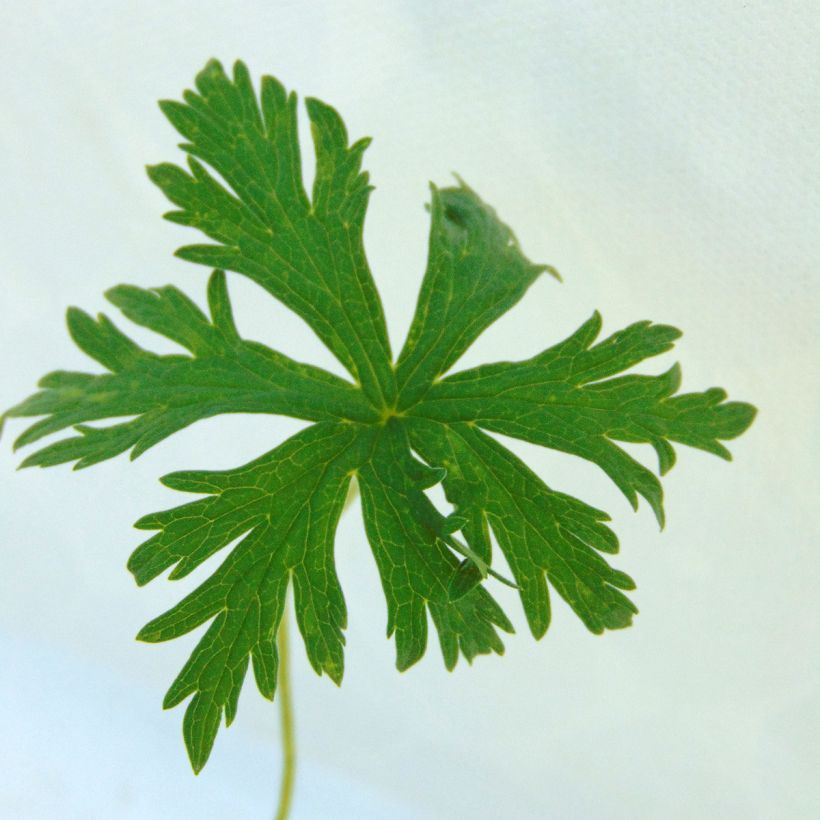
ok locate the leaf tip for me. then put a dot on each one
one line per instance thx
(197, 764)
(461, 183)
(149, 635)
(552, 271)
(538, 630)
(745, 414)
(154, 172)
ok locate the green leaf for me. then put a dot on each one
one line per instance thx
(416, 567)
(539, 530)
(164, 394)
(307, 253)
(475, 273)
(562, 399)
(285, 507)
(398, 429)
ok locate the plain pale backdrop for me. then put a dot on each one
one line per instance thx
(664, 157)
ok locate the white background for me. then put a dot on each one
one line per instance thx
(664, 157)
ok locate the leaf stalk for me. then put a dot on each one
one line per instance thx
(286, 712)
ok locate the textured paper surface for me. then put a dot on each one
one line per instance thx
(664, 157)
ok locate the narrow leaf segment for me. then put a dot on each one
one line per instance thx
(396, 429)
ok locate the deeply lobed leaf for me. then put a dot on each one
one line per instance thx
(539, 530)
(563, 399)
(285, 507)
(406, 534)
(307, 253)
(475, 273)
(163, 394)
(397, 429)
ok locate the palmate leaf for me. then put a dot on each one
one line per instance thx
(395, 429)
